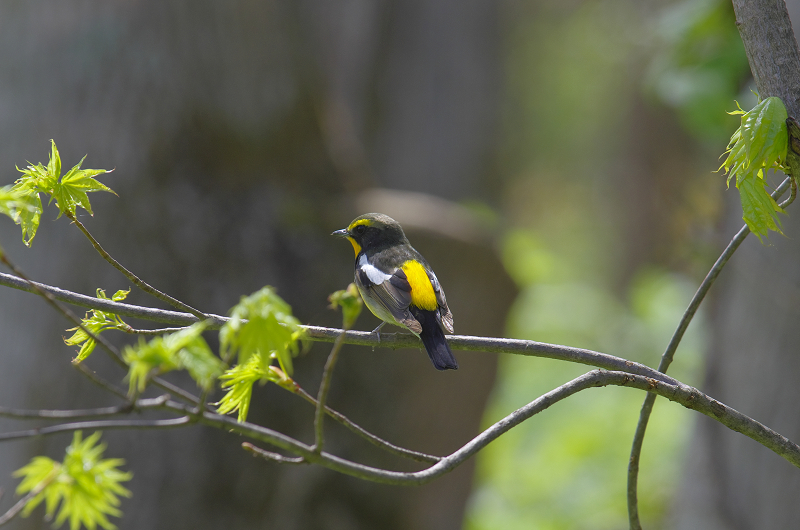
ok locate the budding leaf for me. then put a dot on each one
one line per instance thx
(184, 349)
(759, 208)
(262, 322)
(84, 488)
(239, 381)
(350, 301)
(98, 322)
(758, 145)
(69, 191)
(12, 202)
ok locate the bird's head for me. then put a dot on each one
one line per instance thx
(372, 231)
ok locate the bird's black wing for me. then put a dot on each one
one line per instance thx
(391, 291)
(441, 300)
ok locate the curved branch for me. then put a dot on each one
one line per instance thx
(365, 338)
(669, 354)
(365, 434)
(94, 425)
(624, 373)
(141, 404)
(678, 392)
(138, 282)
(686, 395)
(119, 308)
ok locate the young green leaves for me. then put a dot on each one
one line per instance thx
(350, 301)
(261, 322)
(84, 488)
(261, 329)
(239, 381)
(69, 191)
(759, 144)
(96, 323)
(184, 349)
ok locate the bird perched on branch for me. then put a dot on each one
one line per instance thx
(399, 286)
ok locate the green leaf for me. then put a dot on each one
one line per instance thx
(12, 201)
(761, 143)
(262, 322)
(184, 349)
(68, 191)
(54, 164)
(759, 208)
(98, 322)
(120, 295)
(84, 488)
(239, 382)
(24, 206)
(144, 358)
(193, 354)
(350, 302)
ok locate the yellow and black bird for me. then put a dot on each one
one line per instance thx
(399, 286)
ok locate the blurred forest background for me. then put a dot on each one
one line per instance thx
(552, 159)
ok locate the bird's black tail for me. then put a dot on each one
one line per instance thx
(432, 336)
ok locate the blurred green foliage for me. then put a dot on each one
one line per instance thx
(578, 74)
(699, 66)
(566, 468)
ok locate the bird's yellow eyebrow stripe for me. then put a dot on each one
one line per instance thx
(365, 222)
(422, 294)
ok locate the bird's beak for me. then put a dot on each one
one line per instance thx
(340, 233)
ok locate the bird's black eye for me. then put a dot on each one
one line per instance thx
(359, 230)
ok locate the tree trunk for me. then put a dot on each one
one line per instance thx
(731, 482)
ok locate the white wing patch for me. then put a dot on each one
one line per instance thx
(375, 275)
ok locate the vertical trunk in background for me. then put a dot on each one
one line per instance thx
(754, 365)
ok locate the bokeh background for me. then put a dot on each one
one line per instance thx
(552, 159)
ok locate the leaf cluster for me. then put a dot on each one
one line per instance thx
(182, 350)
(262, 322)
(759, 144)
(93, 325)
(84, 488)
(22, 201)
(261, 330)
(350, 301)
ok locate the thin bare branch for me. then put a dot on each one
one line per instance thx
(273, 457)
(99, 381)
(141, 404)
(144, 286)
(90, 302)
(322, 395)
(160, 331)
(96, 425)
(669, 354)
(368, 436)
(685, 395)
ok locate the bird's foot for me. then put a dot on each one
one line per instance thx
(377, 332)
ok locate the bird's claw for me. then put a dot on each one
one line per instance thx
(377, 332)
